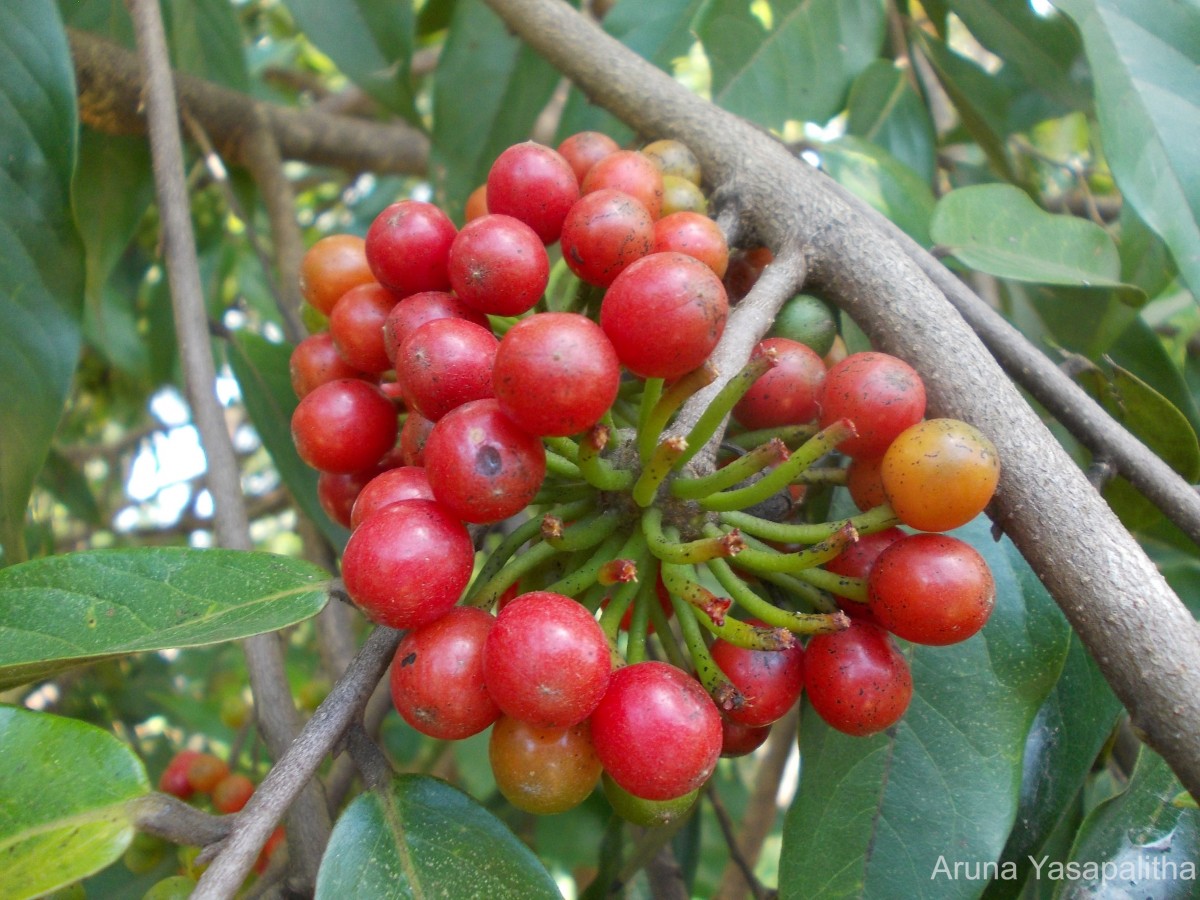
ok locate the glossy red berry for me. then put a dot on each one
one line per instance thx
(174, 779)
(356, 325)
(931, 589)
(543, 770)
(695, 235)
(534, 184)
(344, 426)
(788, 393)
(388, 487)
(232, 793)
(444, 364)
(547, 661)
(408, 245)
(437, 676)
(332, 266)
(603, 233)
(857, 680)
(415, 310)
(584, 149)
(481, 465)
(656, 731)
(770, 680)
(664, 315)
(880, 394)
(498, 265)
(630, 172)
(556, 373)
(408, 564)
(315, 361)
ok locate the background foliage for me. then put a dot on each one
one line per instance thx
(1049, 157)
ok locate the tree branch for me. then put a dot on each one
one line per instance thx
(1143, 638)
(264, 655)
(296, 768)
(109, 84)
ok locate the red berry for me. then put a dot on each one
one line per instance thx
(386, 488)
(931, 589)
(408, 245)
(584, 149)
(408, 564)
(205, 770)
(664, 315)
(338, 491)
(534, 184)
(556, 373)
(881, 394)
(437, 676)
(415, 310)
(856, 562)
(547, 660)
(356, 325)
(444, 364)
(786, 394)
(695, 235)
(603, 233)
(174, 779)
(656, 731)
(315, 361)
(344, 426)
(630, 172)
(498, 265)
(543, 770)
(232, 793)
(857, 680)
(481, 465)
(770, 680)
(741, 740)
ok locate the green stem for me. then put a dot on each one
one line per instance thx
(561, 466)
(652, 389)
(666, 635)
(526, 531)
(716, 682)
(781, 476)
(791, 435)
(761, 609)
(690, 552)
(678, 584)
(486, 593)
(639, 622)
(581, 534)
(563, 446)
(843, 585)
(772, 452)
(832, 475)
(584, 576)
(717, 411)
(598, 471)
(770, 560)
(668, 404)
(657, 468)
(878, 519)
(619, 600)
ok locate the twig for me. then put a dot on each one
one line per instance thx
(273, 703)
(173, 820)
(737, 859)
(296, 768)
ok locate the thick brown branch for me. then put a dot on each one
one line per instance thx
(1141, 635)
(110, 99)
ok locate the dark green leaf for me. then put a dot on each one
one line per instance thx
(1147, 84)
(659, 32)
(507, 84)
(67, 789)
(799, 66)
(420, 837)
(873, 816)
(371, 41)
(1160, 426)
(261, 369)
(885, 110)
(41, 268)
(981, 102)
(1042, 49)
(998, 229)
(1139, 840)
(1066, 737)
(883, 181)
(1141, 351)
(62, 611)
(70, 487)
(206, 41)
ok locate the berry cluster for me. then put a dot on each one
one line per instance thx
(591, 632)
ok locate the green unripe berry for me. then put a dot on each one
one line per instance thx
(177, 887)
(807, 320)
(646, 813)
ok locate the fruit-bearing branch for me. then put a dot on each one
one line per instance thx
(1141, 635)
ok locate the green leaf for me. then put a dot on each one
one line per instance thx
(63, 611)
(262, 372)
(64, 479)
(883, 181)
(998, 229)
(885, 110)
(1154, 420)
(206, 41)
(658, 32)
(67, 812)
(1147, 84)
(41, 268)
(508, 86)
(981, 101)
(873, 816)
(371, 41)
(798, 66)
(1067, 736)
(420, 837)
(1139, 840)
(1042, 49)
